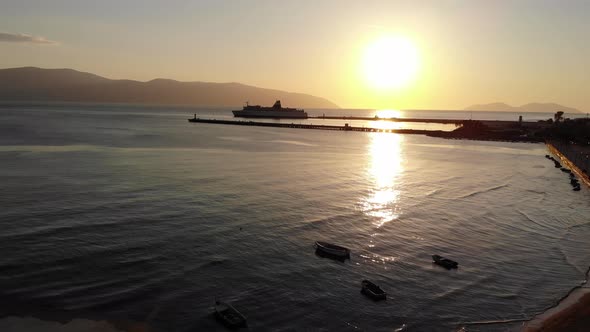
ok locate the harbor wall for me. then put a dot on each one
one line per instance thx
(575, 157)
(481, 135)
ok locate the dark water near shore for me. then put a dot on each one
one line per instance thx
(130, 212)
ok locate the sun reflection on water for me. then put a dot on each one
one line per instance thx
(385, 168)
(387, 114)
(386, 159)
(386, 125)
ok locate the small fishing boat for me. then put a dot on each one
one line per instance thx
(332, 250)
(577, 188)
(565, 170)
(229, 315)
(445, 262)
(372, 291)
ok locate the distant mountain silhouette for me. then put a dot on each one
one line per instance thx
(531, 107)
(68, 85)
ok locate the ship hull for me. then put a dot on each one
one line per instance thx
(271, 114)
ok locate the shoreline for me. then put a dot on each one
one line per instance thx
(584, 177)
(572, 311)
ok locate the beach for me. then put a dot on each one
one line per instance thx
(571, 314)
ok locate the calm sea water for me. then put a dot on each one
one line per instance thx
(131, 212)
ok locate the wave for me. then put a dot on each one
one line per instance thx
(292, 142)
(129, 258)
(568, 262)
(494, 322)
(141, 291)
(532, 220)
(432, 193)
(107, 148)
(479, 192)
(213, 263)
(317, 222)
(34, 324)
(453, 292)
(536, 191)
(235, 138)
(564, 305)
(585, 224)
(60, 229)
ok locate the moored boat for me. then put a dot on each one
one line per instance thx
(445, 262)
(229, 315)
(332, 250)
(372, 291)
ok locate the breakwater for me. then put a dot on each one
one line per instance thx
(505, 131)
(575, 157)
(346, 127)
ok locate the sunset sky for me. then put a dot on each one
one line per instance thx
(461, 52)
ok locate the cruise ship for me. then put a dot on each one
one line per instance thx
(275, 112)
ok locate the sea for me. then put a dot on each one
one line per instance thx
(119, 212)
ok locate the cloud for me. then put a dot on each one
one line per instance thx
(23, 38)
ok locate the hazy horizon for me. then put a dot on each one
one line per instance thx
(532, 107)
(384, 54)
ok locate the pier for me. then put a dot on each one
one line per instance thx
(487, 130)
(346, 127)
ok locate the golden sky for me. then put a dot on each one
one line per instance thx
(468, 51)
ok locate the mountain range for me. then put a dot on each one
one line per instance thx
(31, 84)
(531, 107)
(67, 85)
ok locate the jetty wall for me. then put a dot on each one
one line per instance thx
(575, 157)
(346, 127)
(505, 131)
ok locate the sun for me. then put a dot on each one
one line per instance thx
(391, 63)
